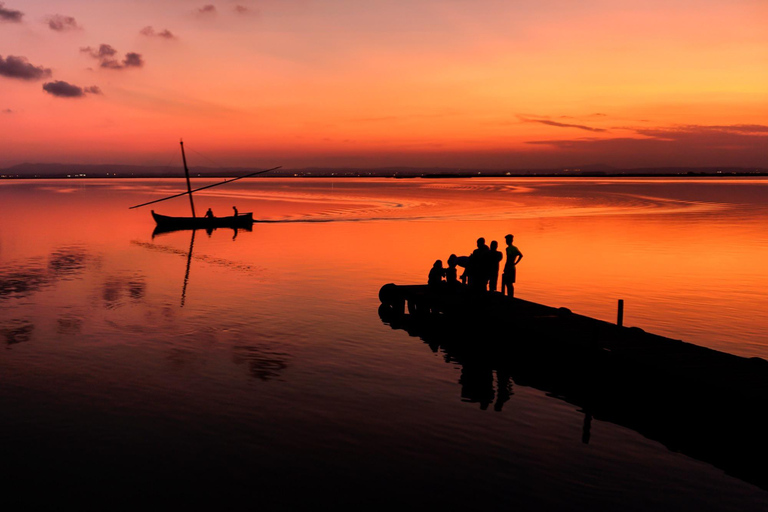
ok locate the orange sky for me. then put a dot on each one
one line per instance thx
(499, 84)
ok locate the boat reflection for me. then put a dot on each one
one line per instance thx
(161, 229)
(708, 408)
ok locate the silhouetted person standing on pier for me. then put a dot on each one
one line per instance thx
(513, 258)
(209, 214)
(478, 266)
(452, 273)
(235, 208)
(494, 258)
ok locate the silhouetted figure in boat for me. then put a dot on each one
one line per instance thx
(510, 267)
(209, 214)
(495, 258)
(435, 280)
(478, 266)
(235, 208)
(451, 273)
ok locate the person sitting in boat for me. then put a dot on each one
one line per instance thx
(435, 280)
(209, 214)
(235, 208)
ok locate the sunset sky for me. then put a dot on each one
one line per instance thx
(349, 83)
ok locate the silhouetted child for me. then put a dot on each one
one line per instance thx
(435, 280)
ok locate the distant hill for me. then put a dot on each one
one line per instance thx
(29, 170)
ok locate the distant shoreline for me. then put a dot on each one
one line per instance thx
(403, 176)
(74, 171)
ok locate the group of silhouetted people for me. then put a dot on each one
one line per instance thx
(481, 268)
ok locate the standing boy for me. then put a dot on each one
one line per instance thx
(513, 258)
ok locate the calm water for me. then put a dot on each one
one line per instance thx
(255, 363)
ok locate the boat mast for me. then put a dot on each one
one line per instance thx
(186, 172)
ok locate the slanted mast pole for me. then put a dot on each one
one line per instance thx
(189, 186)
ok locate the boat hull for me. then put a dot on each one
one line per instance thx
(166, 222)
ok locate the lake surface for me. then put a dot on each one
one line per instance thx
(255, 364)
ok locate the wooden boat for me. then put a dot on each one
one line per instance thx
(168, 223)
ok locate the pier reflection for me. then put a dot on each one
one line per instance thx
(708, 408)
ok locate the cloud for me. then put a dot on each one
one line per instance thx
(241, 9)
(105, 51)
(62, 23)
(19, 67)
(207, 10)
(683, 145)
(10, 15)
(110, 64)
(734, 128)
(133, 59)
(105, 55)
(67, 90)
(561, 125)
(150, 32)
(7, 111)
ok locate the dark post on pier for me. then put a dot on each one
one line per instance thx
(620, 315)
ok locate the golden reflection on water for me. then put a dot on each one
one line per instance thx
(687, 256)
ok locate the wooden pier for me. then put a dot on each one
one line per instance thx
(702, 402)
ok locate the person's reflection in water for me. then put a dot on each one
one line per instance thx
(477, 385)
(503, 389)
(586, 429)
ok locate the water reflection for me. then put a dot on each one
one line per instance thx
(263, 363)
(158, 231)
(24, 279)
(69, 325)
(116, 288)
(16, 330)
(708, 407)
